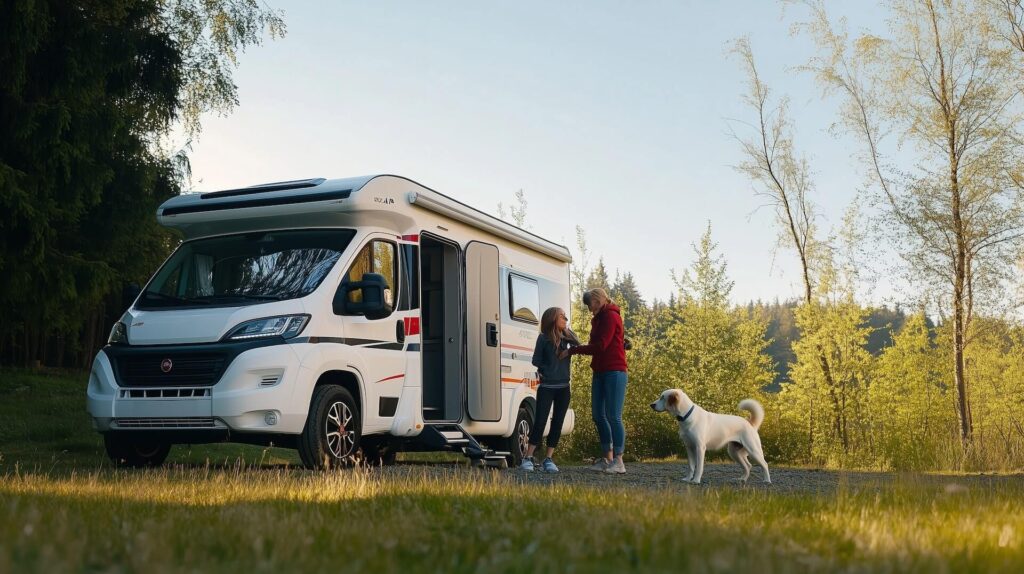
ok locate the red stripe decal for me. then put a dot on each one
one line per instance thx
(392, 377)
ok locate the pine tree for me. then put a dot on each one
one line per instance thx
(626, 294)
(598, 277)
(715, 351)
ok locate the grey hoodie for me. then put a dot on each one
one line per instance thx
(554, 372)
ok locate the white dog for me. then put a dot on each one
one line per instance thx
(701, 430)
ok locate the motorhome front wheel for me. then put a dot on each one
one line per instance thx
(333, 429)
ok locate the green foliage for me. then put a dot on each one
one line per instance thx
(995, 367)
(624, 291)
(87, 91)
(598, 277)
(714, 352)
(701, 344)
(911, 412)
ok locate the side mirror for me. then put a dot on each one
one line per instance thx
(373, 305)
(129, 293)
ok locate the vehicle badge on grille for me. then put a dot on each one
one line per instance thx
(166, 365)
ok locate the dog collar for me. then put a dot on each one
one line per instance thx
(683, 418)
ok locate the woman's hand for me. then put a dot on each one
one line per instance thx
(562, 355)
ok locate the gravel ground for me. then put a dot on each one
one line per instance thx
(669, 475)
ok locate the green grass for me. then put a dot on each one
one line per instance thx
(62, 508)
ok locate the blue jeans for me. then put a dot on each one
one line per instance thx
(608, 394)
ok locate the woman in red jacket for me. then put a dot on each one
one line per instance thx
(608, 361)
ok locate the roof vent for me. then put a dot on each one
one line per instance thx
(265, 187)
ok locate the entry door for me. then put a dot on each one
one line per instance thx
(483, 322)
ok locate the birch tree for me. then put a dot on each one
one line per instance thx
(784, 180)
(934, 102)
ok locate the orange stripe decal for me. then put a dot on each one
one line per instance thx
(504, 346)
(532, 383)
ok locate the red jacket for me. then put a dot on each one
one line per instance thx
(606, 341)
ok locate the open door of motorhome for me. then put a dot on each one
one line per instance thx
(483, 321)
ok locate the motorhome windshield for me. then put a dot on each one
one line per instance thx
(246, 269)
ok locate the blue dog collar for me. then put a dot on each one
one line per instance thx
(683, 418)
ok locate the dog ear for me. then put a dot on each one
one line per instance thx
(673, 399)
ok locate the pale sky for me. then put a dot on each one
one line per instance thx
(611, 115)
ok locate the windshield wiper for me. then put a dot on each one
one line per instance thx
(243, 296)
(166, 297)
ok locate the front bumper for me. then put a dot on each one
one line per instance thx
(252, 395)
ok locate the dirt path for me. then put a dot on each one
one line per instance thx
(669, 475)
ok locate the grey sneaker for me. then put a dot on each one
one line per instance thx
(601, 465)
(527, 464)
(549, 465)
(616, 467)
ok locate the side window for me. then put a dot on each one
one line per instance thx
(524, 299)
(376, 257)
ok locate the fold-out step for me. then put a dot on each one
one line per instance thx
(452, 437)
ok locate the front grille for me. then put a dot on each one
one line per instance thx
(192, 369)
(168, 393)
(165, 422)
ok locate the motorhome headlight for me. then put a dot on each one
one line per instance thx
(118, 334)
(286, 326)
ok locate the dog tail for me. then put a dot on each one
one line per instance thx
(756, 411)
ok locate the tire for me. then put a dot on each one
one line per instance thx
(131, 453)
(333, 429)
(516, 444)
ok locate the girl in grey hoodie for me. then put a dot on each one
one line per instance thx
(554, 338)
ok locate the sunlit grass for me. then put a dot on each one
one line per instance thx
(246, 509)
(457, 519)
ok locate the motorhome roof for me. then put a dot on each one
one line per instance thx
(298, 196)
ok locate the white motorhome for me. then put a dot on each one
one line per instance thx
(345, 318)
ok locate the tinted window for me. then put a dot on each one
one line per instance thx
(245, 269)
(524, 299)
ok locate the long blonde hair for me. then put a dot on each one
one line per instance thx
(596, 293)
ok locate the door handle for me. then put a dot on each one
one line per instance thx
(400, 331)
(492, 335)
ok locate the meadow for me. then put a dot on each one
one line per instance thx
(225, 507)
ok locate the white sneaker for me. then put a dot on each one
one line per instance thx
(616, 467)
(601, 465)
(527, 464)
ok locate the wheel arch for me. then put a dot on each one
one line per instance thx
(347, 380)
(530, 403)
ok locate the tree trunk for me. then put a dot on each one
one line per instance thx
(837, 426)
(959, 295)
